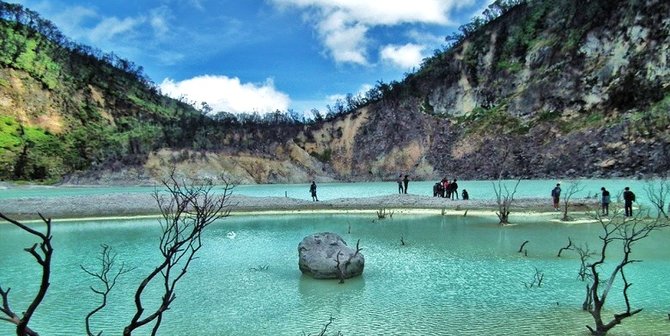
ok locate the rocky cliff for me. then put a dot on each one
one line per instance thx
(549, 89)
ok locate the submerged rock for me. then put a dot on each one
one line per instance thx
(318, 257)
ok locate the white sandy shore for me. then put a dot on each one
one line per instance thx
(139, 204)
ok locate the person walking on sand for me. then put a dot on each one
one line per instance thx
(556, 195)
(312, 190)
(605, 202)
(405, 182)
(628, 199)
(400, 189)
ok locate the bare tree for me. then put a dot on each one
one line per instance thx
(538, 277)
(186, 211)
(626, 231)
(107, 275)
(382, 213)
(342, 268)
(567, 247)
(574, 187)
(43, 258)
(658, 194)
(584, 254)
(324, 329)
(504, 199)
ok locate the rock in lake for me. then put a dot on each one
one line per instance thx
(318, 255)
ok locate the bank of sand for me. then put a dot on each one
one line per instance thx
(141, 204)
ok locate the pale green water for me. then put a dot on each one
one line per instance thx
(456, 276)
(328, 191)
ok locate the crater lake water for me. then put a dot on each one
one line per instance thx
(455, 275)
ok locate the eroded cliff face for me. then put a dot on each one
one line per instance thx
(553, 89)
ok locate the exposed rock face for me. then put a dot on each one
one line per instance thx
(553, 89)
(318, 257)
(550, 89)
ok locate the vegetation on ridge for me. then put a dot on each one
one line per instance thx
(575, 89)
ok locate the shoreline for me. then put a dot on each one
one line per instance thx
(141, 205)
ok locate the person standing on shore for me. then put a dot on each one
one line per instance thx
(454, 189)
(400, 189)
(312, 190)
(628, 199)
(405, 182)
(605, 202)
(556, 195)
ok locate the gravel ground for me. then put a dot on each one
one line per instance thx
(124, 205)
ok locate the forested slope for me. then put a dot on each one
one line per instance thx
(531, 89)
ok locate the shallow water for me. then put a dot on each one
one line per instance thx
(455, 276)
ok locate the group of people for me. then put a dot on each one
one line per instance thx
(628, 199)
(402, 184)
(448, 189)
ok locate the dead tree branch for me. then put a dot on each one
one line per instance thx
(658, 194)
(325, 329)
(186, 211)
(382, 213)
(584, 254)
(504, 199)
(342, 269)
(538, 277)
(626, 231)
(107, 275)
(573, 188)
(42, 252)
(522, 245)
(567, 247)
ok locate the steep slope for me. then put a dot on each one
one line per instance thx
(550, 89)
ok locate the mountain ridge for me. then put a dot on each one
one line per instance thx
(548, 89)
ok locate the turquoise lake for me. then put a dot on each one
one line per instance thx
(454, 276)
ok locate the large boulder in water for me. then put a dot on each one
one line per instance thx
(318, 257)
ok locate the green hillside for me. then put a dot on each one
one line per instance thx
(534, 89)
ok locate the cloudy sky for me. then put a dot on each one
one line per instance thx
(263, 55)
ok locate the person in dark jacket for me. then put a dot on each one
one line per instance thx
(605, 202)
(454, 189)
(312, 190)
(628, 199)
(405, 182)
(556, 195)
(465, 195)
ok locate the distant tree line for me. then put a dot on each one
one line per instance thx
(37, 25)
(142, 118)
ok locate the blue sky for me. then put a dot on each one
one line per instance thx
(263, 55)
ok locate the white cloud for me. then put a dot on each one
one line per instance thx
(228, 94)
(158, 19)
(342, 24)
(110, 27)
(404, 56)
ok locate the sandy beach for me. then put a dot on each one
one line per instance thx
(128, 205)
